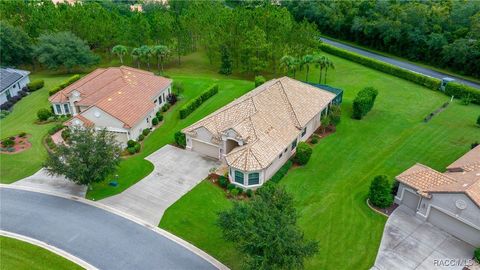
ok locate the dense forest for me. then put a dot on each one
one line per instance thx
(253, 39)
(443, 33)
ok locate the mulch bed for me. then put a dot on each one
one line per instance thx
(21, 144)
(387, 211)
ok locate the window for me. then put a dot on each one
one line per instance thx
(294, 144)
(58, 108)
(239, 177)
(9, 96)
(253, 179)
(286, 149)
(160, 100)
(280, 156)
(67, 108)
(304, 131)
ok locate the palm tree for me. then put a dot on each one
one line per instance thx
(136, 56)
(295, 66)
(305, 62)
(286, 63)
(320, 62)
(146, 54)
(161, 52)
(120, 51)
(328, 64)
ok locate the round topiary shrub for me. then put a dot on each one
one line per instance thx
(158, 114)
(155, 121)
(141, 137)
(223, 181)
(314, 140)
(8, 143)
(131, 150)
(303, 154)
(44, 114)
(380, 192)
(145, 132)
(137, 147)
(131, 143)
(160, 118)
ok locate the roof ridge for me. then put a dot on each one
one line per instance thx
(431, 169)
(289, 104)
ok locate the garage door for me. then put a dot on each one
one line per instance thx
(205, 148)
(410, 200)
(454, 227)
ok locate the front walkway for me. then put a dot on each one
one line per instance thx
(176, 172)
(57, 184)
(410, 243)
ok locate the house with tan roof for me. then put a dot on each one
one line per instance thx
(449, 200)
(257, 133)
(122, 100)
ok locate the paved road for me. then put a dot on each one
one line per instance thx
(398, 63)
(101, 238)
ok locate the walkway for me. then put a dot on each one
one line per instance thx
(99, 237)
(176, 172)
(409, 243)
(399, 63)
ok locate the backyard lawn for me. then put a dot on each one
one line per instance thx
(330, 192)
(19, 255)
(16, 166)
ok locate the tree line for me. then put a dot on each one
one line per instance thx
(442, 33)
(254, 38)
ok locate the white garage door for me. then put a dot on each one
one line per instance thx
(205, 148)
(454, 227)
(410, 200)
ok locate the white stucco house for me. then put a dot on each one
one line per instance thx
(11, 82)
(258, 132)
(122, 100)
(449, 200)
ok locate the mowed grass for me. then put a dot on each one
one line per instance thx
(19, 255)
(22, 119)
(330, 191)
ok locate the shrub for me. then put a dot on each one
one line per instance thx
(66, 134)
(191, 106)
(6, 105)
(259, 80)
(54, 90)
(8, 142)
(137, 147)
(249, 193)
(155, 121)
(463, 92)
(141, 137)
(314, 139)
(44, 114)
(131, 150)
(22, 134)
(334, 115)
(22, 93)
(54, 129)
(281, 172)
(160, 118)
(223, 181)
(180, 139)
(172, 98)
(4, 114)
(380, 192)
(50, 143)
(303, 154)
(158, 114)
(363, 102)
(145, 132)
(131, 143)
(178, 87)
(35, 85)
(473, 145)
(166, 107)
(231, 186)
(426, 81)
(15, 99)
(70, 80)
(476, 254)
(478, 121)
(234, 192)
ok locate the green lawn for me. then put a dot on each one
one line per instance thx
(16, 254)
(330, 191)
(17, 166)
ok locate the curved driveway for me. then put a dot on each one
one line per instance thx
(399, 63)
(101, 238)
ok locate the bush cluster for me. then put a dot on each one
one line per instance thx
(462, 91)
(66, 134)
(8, 142)
(259, 80)
(35, 85)
(303, 154)
(380, 194)
(50, 143)
(180, 139)
(172, 98)
(281, 172)
(55, 129)
(314, 139)
(133, 147)
(223, 181)
(160, 117)
(141, 137)
(145, 132)
(417, 78)
(44, 114)
(166, 107)
(363, 102)
(70, 80)
(155, 121)
(194, 104)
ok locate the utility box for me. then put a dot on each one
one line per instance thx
(445, 81)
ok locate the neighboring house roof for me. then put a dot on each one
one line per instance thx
(463, 176)
(267, 120)
(9, 76)
(123, 92)
(84, 120)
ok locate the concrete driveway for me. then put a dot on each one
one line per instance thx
(176, 172)
(410, 243)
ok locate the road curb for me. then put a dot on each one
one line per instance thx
(117, 212)
(50, 248)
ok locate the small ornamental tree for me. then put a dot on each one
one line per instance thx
(90, 157)
(226, 67)
(380, 192)
(44, 114)
(265, 230)
(303, 154)
(363, 102)
(180, 139)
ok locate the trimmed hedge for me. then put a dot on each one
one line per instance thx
(426, 81)
(180, 139)
(462, 91)
(363, 102)
(70, 80)
(191, 106)
(281, 172)
(35, 85)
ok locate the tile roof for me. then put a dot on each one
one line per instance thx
(80, 117)
(9, 76)
(267, 119)
(123, 92)
(463, 176)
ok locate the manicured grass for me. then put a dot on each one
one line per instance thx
(330, 191)
(15, 254)
(17, 166)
